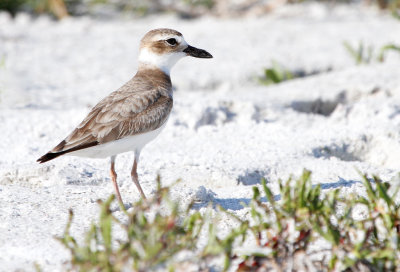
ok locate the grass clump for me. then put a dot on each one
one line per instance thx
(278, 73)
(275, 74)
(287, 229)
(384, 49)
(357, 233)
(157, 235)
(363, 54)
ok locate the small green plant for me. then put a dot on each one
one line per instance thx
(385, 48)
(365, 54)
(286, 229)
(156, 233)
(276, 74)
(362, 54)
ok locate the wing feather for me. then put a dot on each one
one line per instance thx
(135, 108)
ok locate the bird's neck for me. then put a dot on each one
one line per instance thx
(163, 62)
(152, 69)
(156, 76)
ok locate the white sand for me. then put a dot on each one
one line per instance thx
(225, 132)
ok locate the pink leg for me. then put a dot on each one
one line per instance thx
(134, 174)
(114, 180)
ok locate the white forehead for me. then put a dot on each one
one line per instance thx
(165, 36)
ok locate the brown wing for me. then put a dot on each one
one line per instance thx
(135, 108)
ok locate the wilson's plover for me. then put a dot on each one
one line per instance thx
(135, 114)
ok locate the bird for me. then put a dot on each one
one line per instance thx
(133, 115)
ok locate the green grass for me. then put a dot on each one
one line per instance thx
(304, 215)
(363, 54)
(278, 73)
(157, 232)
(275, 74)
(385, 49)
(283, 226)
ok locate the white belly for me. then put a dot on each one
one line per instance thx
(130, 143)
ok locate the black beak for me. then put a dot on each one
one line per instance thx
(197, 53)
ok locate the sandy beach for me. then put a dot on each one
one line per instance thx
(226, 131)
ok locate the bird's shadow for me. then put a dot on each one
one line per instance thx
(232, 204)
(251, 177)
(341, 183)
(236, 204)
(117, 208)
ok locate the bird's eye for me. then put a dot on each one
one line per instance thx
(171, 41)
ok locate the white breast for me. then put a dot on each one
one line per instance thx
(130, 143)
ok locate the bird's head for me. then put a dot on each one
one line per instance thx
(162, 48)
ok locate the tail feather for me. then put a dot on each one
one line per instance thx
(49, 156)
(52, 155)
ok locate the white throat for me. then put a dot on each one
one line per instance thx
(164, 62)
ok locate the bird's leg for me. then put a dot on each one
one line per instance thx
(134, 174)
(114, 179)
